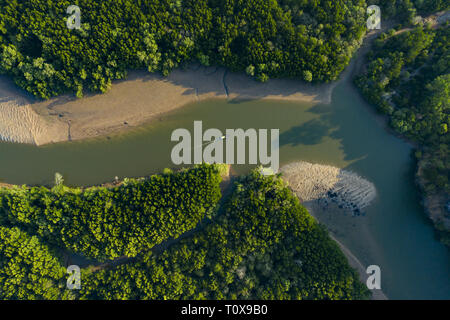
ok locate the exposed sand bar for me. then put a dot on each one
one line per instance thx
(358, 266)
(135, 101)
(313, 183)
(327, 184)
(19, 122)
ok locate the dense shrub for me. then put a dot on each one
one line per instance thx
(264, 245)
(106, 223)
(277, 38)
(408, 79)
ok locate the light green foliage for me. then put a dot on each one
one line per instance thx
(106, 223)
(264, 245)
(307, 76)
(28, 269)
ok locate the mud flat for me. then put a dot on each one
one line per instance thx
(327, 184)
(139, 99)
(330, 194)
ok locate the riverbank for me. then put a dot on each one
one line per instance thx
(139, 99)
(313, 184)
(434, 203)
(144, 97)
(326, 184)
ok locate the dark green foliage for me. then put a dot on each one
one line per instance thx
(427, 6)
(277, 38)
(408, 78)
(264, 245)
(404, 11)
(106, 223)
(401, 10)
(28, 270)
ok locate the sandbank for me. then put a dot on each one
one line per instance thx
(313, 184)
(140, 98)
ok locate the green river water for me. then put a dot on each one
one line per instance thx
(397, 235)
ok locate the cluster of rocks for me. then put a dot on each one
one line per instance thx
(342, 203)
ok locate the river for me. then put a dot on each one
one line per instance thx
(394, 233)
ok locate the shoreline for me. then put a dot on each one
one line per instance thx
(143, 97)
(432, 204)
(151, 95)
(228, 176)
(336, 235)
(138, 100)
(311, 183)
(359, 268)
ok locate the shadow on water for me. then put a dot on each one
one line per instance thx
(345, 134)
(309, 133)
(397, 234)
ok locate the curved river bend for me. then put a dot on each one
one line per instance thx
(394, 233)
